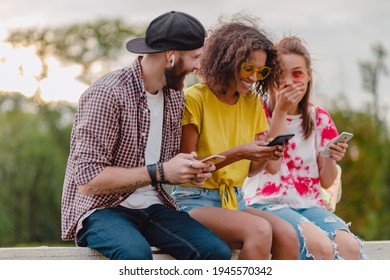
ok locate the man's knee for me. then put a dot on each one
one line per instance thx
(128, 252)
(215, 249)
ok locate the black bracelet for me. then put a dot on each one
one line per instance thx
(161, 172)
(152, 173)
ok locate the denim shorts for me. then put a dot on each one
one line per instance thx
(325, 220)
(189, 198)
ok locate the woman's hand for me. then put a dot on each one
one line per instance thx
(337, 151)
(287, 96)
(259, 151)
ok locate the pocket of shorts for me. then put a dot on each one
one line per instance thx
(186, 192)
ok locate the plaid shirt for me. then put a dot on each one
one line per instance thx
(111, 128)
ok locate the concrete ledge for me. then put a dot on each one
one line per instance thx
(375, 250)
(50, 253)
(61, 253)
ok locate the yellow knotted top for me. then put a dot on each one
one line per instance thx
(222, 127)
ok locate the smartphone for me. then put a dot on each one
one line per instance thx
(214, 159)
(281, 139)
(344, 137)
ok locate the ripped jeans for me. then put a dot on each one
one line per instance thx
(325, 220)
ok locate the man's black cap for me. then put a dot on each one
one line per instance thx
(170, 31)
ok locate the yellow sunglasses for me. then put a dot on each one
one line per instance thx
(247, 70)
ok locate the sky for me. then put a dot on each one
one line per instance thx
(338, 33)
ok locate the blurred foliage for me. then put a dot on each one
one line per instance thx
(365, 178)
(371, 72)
(34, 141)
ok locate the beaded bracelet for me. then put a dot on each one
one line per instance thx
(161, 172)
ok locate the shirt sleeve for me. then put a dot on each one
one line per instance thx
(193, 110)
(96, 130)
(325, 127)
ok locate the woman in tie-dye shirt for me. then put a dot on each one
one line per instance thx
(290, 187)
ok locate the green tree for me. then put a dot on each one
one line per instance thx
(365, 167)
(371, 72)
(34, 140)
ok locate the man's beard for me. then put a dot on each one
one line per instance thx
(175, 75)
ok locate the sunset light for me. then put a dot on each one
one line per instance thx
(20, 69)
(61, 83)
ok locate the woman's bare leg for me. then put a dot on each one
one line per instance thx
(317, 242)
(285, 243)
(251, 234)
(347, 245)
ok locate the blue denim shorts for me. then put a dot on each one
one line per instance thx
(325, 220)
(189, 198)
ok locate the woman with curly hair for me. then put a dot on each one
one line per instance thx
(223, 115)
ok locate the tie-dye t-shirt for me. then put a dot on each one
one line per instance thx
(297, 183)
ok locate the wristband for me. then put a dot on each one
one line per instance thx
(152, 173)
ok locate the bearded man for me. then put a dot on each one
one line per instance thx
(125, 146)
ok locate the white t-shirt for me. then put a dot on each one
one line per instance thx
(297, 183)
(148, 195)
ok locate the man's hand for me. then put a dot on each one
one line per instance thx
(185, 168)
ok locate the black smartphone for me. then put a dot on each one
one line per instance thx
(281, 139)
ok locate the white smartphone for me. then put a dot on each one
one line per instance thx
(344, 137)
(214, 159)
